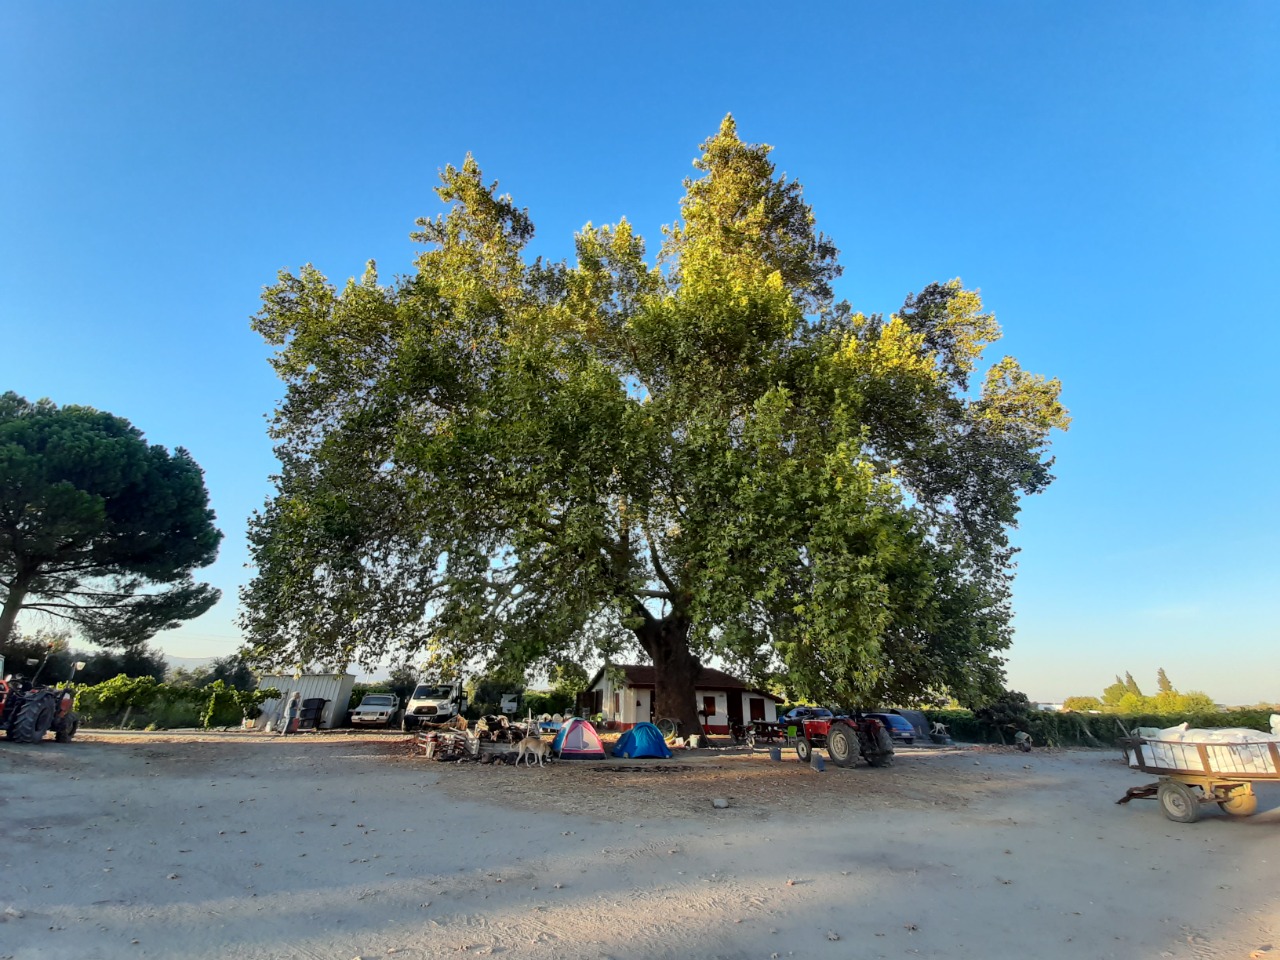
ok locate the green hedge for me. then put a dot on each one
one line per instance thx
(141, 703)
(1050, 728)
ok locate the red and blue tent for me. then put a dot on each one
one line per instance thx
(577, 740)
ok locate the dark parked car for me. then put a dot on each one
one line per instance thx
(899, 728)
(797, 715)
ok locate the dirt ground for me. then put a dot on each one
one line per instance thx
(336, 846)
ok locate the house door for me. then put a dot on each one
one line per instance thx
(643, 710)
(757, 708)
(733, 704)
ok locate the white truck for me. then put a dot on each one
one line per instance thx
(434, 703)
(376, 710)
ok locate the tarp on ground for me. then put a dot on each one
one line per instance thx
(578, 740)
(642, 740)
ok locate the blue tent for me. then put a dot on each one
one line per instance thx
(642, 740)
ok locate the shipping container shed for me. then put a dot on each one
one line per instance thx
(324, 699)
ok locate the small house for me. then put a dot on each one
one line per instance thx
(722, 699)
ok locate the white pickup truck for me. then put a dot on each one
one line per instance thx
(376, 710)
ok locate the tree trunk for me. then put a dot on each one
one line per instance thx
(12, 604)
(676, 671)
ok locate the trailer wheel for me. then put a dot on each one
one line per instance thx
(1178, 801)
(842, 745)
(804, 750)
(1240, 804)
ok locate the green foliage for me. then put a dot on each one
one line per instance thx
(99, 665)
(117, 698)
(1005, 715)
(527, 463)
(358, 690)
(1081, 704)
(220, 703)
(538, 702)
(1067, 729)
(1045, 728)
(484, 694)
(1113, 694)
(139, 701)
(401, 681)
(233, 670)
(177, 706)
(134, 661)
(568, 679)
(1125, 697)
(250, 701)
(111, 527)
(19, 648)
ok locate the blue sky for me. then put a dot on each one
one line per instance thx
(1107, 174)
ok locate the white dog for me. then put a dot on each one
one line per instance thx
(939, 728)
(531, 748)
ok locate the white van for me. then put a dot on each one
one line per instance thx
(433, 703)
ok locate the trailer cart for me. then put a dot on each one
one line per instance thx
(1196, 773)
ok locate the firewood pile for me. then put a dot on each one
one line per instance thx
(498, 729)
(441, 744)
(487, 741)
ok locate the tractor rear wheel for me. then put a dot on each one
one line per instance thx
(842, 745)
(881, 753)
(880, 759)
(67, 730)
(32, 721)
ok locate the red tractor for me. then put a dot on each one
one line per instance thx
(845, 739)
(29, 710)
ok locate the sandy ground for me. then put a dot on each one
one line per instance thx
(339, 846)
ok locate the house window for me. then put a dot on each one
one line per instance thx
(756, 705)
(709, 706)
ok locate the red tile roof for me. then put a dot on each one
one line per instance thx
(644, 675)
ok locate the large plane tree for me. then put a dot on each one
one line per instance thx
(99, 530)
(524, 461)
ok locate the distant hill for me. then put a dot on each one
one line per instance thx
(187, 663)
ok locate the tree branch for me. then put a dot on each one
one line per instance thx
(657, 564)
(655, 594)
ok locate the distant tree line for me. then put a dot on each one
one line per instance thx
(1095, 721)
(1125, 697)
